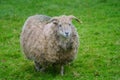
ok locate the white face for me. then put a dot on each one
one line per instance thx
(64, 29)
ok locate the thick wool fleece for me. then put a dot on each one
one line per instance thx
(41, 43)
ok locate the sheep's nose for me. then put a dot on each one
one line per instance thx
(67, 33)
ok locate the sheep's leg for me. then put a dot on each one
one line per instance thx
(42, 69)
(37, 66)
(62, 70)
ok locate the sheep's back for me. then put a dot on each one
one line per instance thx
(32, 35)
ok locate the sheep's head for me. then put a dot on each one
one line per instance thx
(64, 25)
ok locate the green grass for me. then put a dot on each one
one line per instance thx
(99, 53)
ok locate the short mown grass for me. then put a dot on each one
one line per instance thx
(99, 53)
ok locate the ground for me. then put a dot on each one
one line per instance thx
(99, 52)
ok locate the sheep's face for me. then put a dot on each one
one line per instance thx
(63, 24)
(64, 29)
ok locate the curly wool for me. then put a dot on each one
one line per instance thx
(40, 42)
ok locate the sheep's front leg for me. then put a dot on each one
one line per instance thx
(62, 70)
(37, 66)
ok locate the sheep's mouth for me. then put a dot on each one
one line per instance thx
(66, 35)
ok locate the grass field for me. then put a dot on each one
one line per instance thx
(99, 53)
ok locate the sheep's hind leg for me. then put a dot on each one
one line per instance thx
(37, 66)
(62, 70)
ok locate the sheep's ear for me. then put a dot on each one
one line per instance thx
(53, 20)
(73, 17)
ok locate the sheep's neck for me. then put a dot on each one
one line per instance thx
(64, 43)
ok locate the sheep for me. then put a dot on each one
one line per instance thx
(50, 40)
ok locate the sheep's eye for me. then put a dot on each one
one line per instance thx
(60, 25)
(69, 24)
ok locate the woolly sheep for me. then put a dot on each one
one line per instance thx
(50, 41)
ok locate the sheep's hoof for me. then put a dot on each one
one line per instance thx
(38, 67)
(62, 71)
(42, 70)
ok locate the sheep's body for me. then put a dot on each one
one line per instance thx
(41, 44)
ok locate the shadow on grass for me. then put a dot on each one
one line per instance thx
(29, 69)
